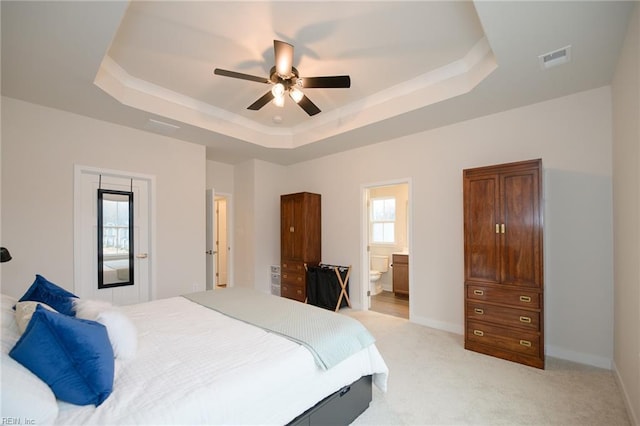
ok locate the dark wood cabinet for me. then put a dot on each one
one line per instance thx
(503, 266)
(300, 241)
(400, 264)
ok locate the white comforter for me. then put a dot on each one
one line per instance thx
(197, 366)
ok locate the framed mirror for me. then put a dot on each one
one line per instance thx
(115, 238)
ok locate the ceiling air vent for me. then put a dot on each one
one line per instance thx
(557, 57)
(160, 126)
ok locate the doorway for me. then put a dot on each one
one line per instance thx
(218, 249)
(386, 231)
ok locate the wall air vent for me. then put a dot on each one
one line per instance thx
(557, 57)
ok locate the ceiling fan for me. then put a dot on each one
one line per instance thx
(285, 79)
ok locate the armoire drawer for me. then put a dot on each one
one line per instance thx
(293, 266)
(514, 297)
(292, 291)
(502, 315)
(512, 339)
(293, 278)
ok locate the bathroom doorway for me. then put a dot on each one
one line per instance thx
(386, 248)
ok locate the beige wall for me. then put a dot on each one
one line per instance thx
(626, 205)
(40, 147)
(573, 137)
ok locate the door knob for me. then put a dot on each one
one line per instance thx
(141, 256)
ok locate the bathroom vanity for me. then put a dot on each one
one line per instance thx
(401, 274)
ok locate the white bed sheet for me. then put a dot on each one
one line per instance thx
(197, 366)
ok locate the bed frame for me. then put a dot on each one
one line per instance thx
(339, 408)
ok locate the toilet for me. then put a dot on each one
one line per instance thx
(379, 265)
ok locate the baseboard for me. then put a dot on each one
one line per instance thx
(579, 357)
(439, 325)
(633, 416)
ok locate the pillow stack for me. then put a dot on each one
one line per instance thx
(69, 343)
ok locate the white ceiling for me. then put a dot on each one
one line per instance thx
(413, 65)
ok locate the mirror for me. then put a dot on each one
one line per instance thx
(115, 238)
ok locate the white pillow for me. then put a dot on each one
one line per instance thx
(10, 333)
(24, 395)
(24, 312)
(122, 332)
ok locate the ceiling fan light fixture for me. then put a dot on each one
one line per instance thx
(278, 90)
(296, 94)
(278, 101)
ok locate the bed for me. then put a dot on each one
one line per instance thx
(197, 365)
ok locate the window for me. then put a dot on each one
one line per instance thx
(383, 220)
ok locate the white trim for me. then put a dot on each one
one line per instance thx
(579, 357)
(438, 325)
(78, 171)
(633, 416)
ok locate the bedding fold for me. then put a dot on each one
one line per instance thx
(329, 336)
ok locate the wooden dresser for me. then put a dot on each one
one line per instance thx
(503, 262)
(300, 241)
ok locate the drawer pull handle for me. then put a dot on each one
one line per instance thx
(479, 311)
(284, 265)
(525, 343)
(285, 276)
(299, 278)
(526, 299)
(479, 333)
(526, 320)
(478, 292)
(299, 291)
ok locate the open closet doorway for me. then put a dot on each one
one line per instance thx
(386, 230)
(218, 249)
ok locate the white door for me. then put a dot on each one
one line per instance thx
(211, 250)
(86, 236)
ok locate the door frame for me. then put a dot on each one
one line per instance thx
(364, 237)
(79, 171)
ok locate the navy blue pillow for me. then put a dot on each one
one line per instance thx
(43, 290)
(73, 356)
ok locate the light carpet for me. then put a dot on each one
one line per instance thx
(433, 380)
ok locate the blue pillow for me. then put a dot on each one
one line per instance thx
(43, 290)
(73, 356)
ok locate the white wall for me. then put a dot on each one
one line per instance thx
(626, 204)
(39, 149)
(573, 137)
(258, 186)
(220, 177)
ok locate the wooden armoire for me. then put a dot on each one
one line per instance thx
(503, 262)
(300, 241)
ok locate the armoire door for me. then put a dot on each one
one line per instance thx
(520, 228)
(482, 237)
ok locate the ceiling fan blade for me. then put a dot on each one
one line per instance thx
(308, 106)
(239, 75)
(265, 99)
(333, 82)
(284, 58)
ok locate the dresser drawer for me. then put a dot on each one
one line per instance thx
(516, 297)
(293, 278)
(511, 339)
(502, 315)
(292, 291)
(292, 266)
